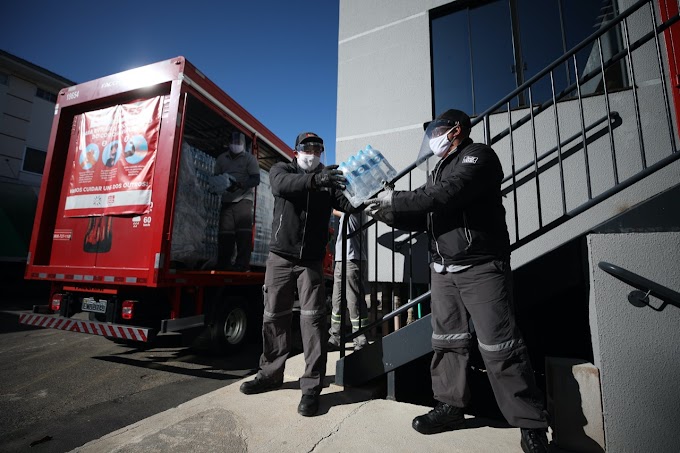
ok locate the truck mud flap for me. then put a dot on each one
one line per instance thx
(83, 326)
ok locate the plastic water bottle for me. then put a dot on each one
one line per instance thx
(349, 187)
(382, 163)
(357, 172)
(364, 172)
(374, 175)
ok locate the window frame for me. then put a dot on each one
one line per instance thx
(520, 101)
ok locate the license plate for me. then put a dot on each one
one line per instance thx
(96, 306)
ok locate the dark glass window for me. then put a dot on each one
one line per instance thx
(493, 71)
(34, 160)
(484, 50)
(451, 61)
(582, 18)
(4, 79)
(541, 40)
(46, 95)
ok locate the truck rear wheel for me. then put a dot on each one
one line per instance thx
(229, 330)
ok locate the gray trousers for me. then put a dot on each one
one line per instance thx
(281, 279)
(236, 228)
(356, 304)
(484, 294)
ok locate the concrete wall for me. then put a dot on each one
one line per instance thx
(636, 349)
(384, 96)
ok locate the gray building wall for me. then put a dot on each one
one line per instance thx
(636, 349)
(384, 96)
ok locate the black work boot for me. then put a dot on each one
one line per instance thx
(309, 405)
(534, 440)
(443, 417)
(259, 385)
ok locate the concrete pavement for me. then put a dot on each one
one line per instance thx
(348, 421)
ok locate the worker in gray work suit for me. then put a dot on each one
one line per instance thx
(460, 207)
(356, 280)
(305, 191)
(236, 215)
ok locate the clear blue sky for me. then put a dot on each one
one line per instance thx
(278, 59)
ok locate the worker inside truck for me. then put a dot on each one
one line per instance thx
(240, 172)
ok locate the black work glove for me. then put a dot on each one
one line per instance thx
(330, 176)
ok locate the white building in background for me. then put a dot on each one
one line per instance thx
(28, 94)
(610, 167)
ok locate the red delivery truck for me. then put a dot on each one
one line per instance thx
(126, 227)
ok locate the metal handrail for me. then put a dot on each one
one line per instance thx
(530, 116)
(647, 286)
(388, 317)
(604, 28)
(612, 115)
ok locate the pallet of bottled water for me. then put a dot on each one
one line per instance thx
(367, 172)
(197, 211)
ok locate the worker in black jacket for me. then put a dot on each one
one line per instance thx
(460, 207)
(305, 193)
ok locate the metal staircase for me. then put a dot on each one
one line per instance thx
(537, 187)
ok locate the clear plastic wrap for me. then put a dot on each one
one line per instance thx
(264, 215)
(197, 212)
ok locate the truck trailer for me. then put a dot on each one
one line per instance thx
(126, 228)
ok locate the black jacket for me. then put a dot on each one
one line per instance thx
(301, 212)
(460, 206)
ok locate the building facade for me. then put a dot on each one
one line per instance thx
(578, 98)
(28, 95)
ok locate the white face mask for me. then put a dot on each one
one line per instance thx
(236, 148)
(439, 145)
(307, 162)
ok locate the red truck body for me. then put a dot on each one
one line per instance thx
(113, 199)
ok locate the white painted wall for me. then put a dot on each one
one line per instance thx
(636, 349)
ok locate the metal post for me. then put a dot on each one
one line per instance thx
(609, 121)
(583, 128)
(559, 145)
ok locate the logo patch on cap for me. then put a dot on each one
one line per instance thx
(469, 160)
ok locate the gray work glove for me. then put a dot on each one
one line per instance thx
(382, 200)
(219, 183)
(330, 176)
(384, 215)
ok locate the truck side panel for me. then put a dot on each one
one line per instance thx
(104, 216)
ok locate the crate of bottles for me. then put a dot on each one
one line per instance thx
(366, 172)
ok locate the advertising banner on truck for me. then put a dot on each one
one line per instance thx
(113, 166)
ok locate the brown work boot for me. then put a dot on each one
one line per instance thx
(443, 417)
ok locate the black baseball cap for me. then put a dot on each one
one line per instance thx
(307, 137)
(450, 118)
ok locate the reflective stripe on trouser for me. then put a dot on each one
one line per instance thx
(281, 278)
(356, 304)
(483, 293)
(356, 323)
